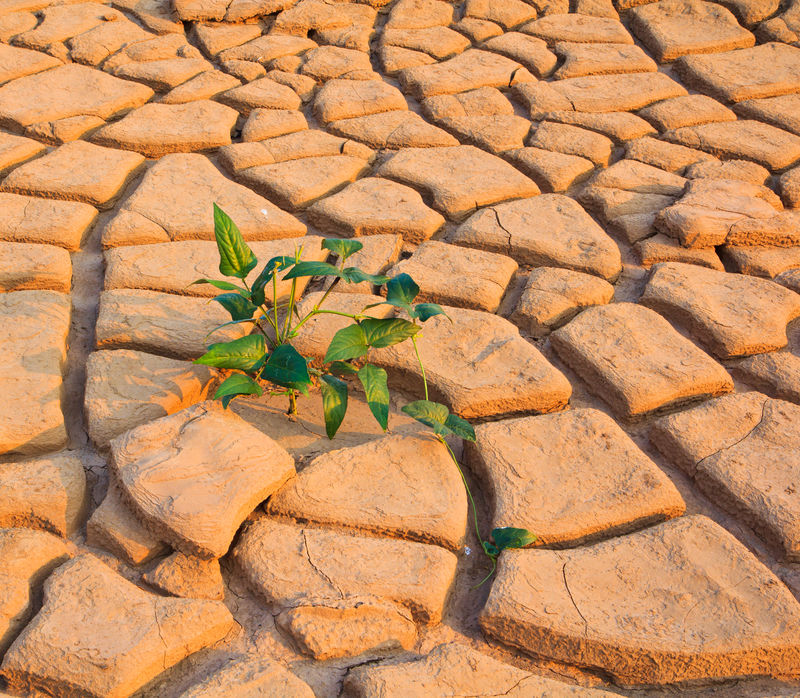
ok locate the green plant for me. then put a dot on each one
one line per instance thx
(267, 357)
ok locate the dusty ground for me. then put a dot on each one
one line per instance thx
(607, 198)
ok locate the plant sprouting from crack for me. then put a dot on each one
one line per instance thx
(267, 360)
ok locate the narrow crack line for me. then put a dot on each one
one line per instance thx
(736, 443)
(317, 569)
(505, 230)
(571, 598)
(160, 635)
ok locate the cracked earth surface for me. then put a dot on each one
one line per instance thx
(606, 196)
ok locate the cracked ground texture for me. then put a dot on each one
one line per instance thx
(606, 196)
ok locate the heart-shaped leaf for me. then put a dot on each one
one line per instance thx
(401, 292)
(244, 353)
(509, 537)
(334, 403)
(460, 427)
(348, 343)
(377, 392)
(237, 384)
(342, 248)
(425, 311)
(384, 332)
(238, 306)
(235, 257)
(286, 367)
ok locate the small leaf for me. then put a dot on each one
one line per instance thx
(509, 537)
(237, 384)
(265, 277)
(334, 403)
(490, 549)
(460, 427)
(286, 367)
(238, 306)
(342, 248)
(312, 269)
(425, 311)
(438, 417)
(348, 343)
(235, 257)
(243, 353)
(377, 391)
(385, 332)
(343, 368)
(352, 275)
(401, 291)
(431, 414)
(223, 285)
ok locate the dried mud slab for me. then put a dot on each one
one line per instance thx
(245, 673)
(680, 601)
(67, 91)
(126, 388)
(194, 476)
(571, 477)
(547, 230)
(632, 357)
(33, 334)
(290, 565)
(552, 297)
(33, 267)
(26, 559)
(749, 466)
(15, 150)
(137, 634)
(161, 323)
(731, 314)
(777, 374)
(77, 171)
(402, 486)
(454, 669)
(46, 493)
(187, 214)
(30, 219)
(458, 179)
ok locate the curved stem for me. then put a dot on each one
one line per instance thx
(275, 308)
(425, 380)
(488, 576)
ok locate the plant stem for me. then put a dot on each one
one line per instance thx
(292, 403)
(422, 368)
(316, 311)
(474, 511)
(290, 310)
(275, 307)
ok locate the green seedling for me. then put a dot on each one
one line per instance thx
(265, 361)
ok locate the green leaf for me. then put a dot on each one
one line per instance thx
(353, 275)
(286, 367)
(436, 416)
(509, 537)
(425, 311)
(431, 414)
(401, 291)
(342, 248)
(243, 353)
(460, 427)
(238, 306)
(237, 384)
(348, 343)
(265, 277)
(384, 332)
(334, 403)
(343, 368)
(223, 285)
(235, 257)
(312, 269)
(490, 549)
(377, 391)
